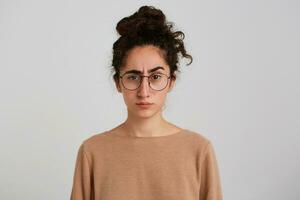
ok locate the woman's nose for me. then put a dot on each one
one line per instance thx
(143, 90)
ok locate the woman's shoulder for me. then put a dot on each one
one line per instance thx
(197, 137)
(95, 140)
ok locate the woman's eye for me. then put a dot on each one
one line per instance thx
(156, 76)
(132, 77)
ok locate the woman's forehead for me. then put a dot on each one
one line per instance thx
(142, 59)
(145, 55)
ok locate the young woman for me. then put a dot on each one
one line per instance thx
(146, 157)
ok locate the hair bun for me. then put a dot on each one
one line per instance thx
(149, 12)
(147, 20)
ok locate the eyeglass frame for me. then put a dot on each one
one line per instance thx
(142, 77)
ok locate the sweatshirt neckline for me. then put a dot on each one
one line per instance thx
(147, 137)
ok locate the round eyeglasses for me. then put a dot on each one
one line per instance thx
(156, 81)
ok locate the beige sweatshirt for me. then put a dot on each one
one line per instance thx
(181, 166)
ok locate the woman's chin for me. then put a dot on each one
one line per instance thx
(144, 113)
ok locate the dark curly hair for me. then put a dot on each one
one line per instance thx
(148, 26)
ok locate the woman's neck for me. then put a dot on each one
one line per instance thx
(146, 127)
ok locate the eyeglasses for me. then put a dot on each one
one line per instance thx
(157, 81)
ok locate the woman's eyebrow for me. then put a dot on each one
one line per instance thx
(140, 72)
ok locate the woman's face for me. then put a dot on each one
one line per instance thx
(143, 59)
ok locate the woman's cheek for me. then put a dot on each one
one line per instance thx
(161, 101)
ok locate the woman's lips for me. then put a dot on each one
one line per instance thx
(144, 105)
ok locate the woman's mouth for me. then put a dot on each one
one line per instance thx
(144, 105)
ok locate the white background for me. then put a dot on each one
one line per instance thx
(242, 90)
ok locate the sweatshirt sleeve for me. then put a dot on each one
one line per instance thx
(210, 183)
(82, 179)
